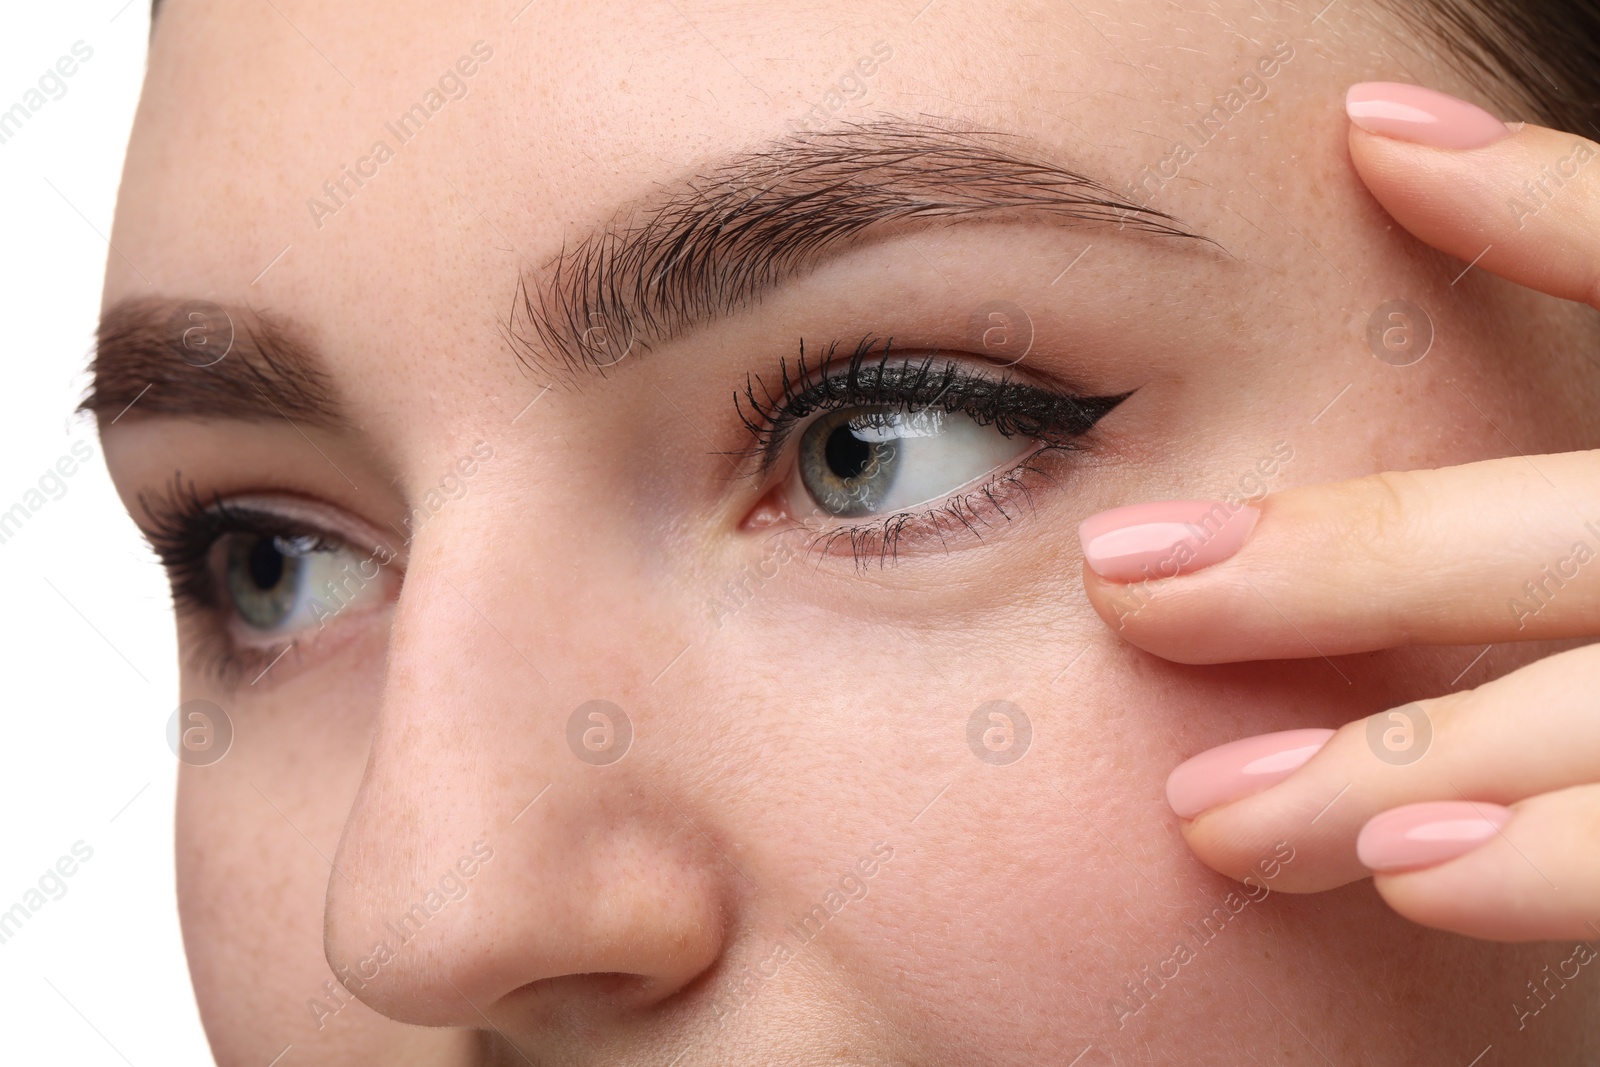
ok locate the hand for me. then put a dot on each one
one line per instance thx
(1479, 811)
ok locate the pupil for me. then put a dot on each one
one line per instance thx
(848, 455)
(266, 564)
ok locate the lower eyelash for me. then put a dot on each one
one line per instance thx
(228, 663)
(1014, 408)
(971, 513)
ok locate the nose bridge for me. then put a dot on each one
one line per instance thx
(506, 831)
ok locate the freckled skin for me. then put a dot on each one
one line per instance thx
(830, 713)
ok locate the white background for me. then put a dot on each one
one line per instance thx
(89, 661)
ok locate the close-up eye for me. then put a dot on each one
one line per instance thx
(912, 443)
(260, 574)
(278, 583)
(863, 461)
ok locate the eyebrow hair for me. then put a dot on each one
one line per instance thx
(713, 243)
(142, 365)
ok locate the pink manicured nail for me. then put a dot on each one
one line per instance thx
(1422, 116)
(1240, 768)
(1421, 835)
(1164, 538)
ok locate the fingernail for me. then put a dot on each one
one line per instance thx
(1421, 116)
(1421, 835)
(1164, 538)
(1240, 768)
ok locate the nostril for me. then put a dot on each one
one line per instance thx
(576, 995)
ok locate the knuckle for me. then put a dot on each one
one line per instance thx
(1374, 522)
(1396, 505)
(1451, 713)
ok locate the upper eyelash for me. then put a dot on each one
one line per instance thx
(869, 378)
(182, 528)
(1013, 407)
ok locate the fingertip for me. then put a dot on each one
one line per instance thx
(1422, 116)
(1427, 834)
(1164, 538)
(1240, 768)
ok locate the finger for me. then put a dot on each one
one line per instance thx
(1533, 731)
(1501, 550)
(1523, 202)
(1531, 873)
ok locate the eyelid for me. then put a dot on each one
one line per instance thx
(909, 379)
(313, 515)
(1053, 417)
(168, 514)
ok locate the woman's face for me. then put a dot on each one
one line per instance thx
(513, 297)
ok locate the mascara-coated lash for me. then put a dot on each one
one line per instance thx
(874, 376)
(182, 530)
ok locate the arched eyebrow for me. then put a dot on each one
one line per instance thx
(148, 360)
(713, 243)
(704, 247)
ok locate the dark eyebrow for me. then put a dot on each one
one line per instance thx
(712, 243)
(166, 357)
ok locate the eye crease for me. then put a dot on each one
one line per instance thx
(893, 438)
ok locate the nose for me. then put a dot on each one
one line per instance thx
(500, 863)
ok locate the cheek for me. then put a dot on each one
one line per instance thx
(251, 887)
(1002, 899)
(1026, 893)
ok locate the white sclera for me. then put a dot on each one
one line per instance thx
(935, 454)
(326, 582)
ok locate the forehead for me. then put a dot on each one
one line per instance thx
(390, 172)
